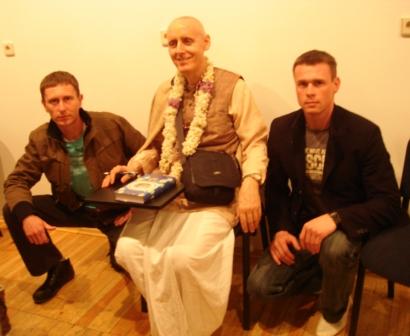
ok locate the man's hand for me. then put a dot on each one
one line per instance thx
(112, 176)
(135, 165)
(35, 229)
(279, 248)
(249, 205)
(314, 231)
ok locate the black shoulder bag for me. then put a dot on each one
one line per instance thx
(208, 177)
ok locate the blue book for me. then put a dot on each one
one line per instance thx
(144, 188)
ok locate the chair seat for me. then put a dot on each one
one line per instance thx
(388, 254)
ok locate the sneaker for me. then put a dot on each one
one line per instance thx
(57, 277)
(325, 328)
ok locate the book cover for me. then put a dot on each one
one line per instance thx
(144, 188)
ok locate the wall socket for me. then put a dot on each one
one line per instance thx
(8, 48)
(405, 27)
(163, 38)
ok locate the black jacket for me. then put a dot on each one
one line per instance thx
(358, 178)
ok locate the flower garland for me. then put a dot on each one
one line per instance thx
(169, 163)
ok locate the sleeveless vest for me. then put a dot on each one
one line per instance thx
(219, 134)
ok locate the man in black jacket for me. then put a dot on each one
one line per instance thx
(329, 185)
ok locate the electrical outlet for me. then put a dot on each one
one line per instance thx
(405, 27)
(163, 37)
(8, 48)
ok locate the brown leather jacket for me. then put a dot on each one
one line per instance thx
(109, 140)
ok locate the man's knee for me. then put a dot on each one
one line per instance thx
(7, 214)
(263, 280)
(11, 221)
(337, 249)
(257, 284)
(127, 248)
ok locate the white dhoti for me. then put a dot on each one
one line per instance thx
(181, 262)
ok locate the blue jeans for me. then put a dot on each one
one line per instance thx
(332, 271)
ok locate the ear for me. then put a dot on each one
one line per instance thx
(207, 42)
(336, 83)
(43, 102)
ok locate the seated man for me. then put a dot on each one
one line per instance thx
(181, 256)
(73, 150)
(329, 184)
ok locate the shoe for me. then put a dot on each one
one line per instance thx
(325, 328)
(57, 277)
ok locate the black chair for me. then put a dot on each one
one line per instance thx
(246, 263)
(246, 253)
(388, 253)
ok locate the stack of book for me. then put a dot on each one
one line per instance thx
(144, 188)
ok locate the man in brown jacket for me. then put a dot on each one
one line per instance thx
(73, 150)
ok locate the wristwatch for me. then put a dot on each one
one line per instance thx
(336, 218)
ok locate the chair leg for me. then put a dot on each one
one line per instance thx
(144, 307)
(245, 274)
(357, 299)
(390, 289)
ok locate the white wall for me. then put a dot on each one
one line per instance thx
(113, 48)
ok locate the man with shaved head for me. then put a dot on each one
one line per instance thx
(180, 257)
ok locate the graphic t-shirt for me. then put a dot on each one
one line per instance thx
(315, 155)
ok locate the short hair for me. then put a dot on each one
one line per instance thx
(313, 57)
(56, 78)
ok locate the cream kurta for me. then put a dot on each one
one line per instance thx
(180, 258)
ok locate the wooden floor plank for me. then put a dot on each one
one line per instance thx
(102, 302)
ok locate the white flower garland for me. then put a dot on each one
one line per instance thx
(169, 163)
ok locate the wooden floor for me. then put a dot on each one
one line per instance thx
(100, 301)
